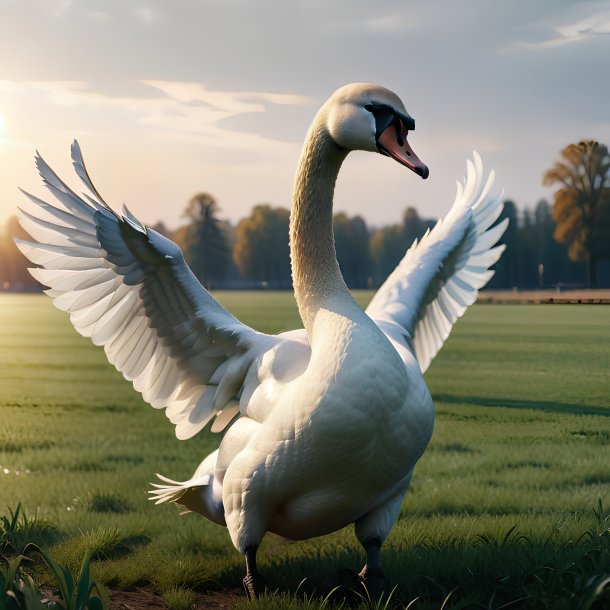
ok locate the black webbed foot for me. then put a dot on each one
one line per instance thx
(253, 582)
(253, 585)
(373, 582)
(369, 583)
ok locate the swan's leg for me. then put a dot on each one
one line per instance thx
(247, 532)
(246, 506)
(253, 583)
(371, 530)
(372, 568)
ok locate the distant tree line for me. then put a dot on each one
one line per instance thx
(254, 253)
(564, 245)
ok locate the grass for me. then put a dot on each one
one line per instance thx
(503, 507)
(107, 503)
(179, 598)
(18, 590)
(18, 529)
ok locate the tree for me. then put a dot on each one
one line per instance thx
(205, 248)
(13, 265)
(507, 269)
(352, 247)
(387, 249)
(261, 250)
(582, 204)
(413, 226)
(556, 269)
(528, 260)
(389, 244)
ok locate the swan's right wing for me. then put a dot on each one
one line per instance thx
(129, 289)
(439, 277)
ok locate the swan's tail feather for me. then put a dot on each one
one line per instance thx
(199, 495)
(174, 491)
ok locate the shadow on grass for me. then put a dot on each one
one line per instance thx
(536, 405)
(504, 570)
(512, 572)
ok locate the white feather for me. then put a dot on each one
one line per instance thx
(445, 270)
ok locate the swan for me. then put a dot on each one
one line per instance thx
(324, 425)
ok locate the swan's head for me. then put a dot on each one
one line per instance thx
(369, 117)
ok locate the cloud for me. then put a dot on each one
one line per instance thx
(598, 24)
(172, 109)
(233, 102)
(146, 14)
(59, 7)
(582, 29)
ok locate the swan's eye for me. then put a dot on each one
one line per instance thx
(385, 116)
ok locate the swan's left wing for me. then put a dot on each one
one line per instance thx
(439, 277)
(129, 289)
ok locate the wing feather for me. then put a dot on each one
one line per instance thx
(440, 276)
(129, 289)
(44, 230)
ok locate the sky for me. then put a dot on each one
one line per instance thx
(170, 98)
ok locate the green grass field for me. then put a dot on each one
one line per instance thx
(503, 511)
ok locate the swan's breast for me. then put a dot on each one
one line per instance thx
(359, 416)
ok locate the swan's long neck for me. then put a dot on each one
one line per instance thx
(315, 271)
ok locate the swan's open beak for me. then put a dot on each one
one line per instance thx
(395, 145)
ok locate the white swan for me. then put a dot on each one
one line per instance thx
(332, 418)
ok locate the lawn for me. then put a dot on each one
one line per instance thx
(504, 509)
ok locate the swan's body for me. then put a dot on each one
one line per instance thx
(332, 418)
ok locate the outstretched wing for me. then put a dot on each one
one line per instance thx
(439, 277)
(129, 289)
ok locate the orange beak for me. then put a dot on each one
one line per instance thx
(394, 144)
